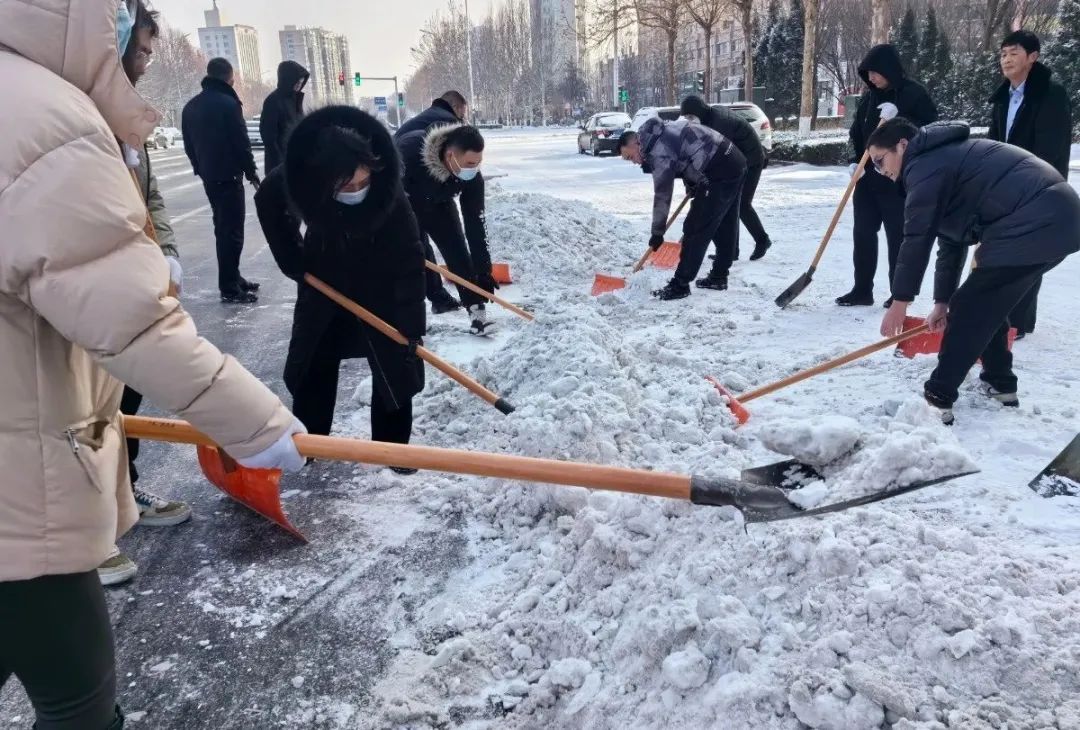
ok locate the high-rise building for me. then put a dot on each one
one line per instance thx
(326, 57)
(555, 34)
(239, 44)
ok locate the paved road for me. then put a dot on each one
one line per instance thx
(231, 623)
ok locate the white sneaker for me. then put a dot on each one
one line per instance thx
(155, 511)
(117, 568)
(479, 324)
(1009, 400)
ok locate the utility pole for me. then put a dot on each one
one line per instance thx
(397, 114)
(468, 50)
(615, 58)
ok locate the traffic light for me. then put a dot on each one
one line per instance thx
(401, 100)
(624, 95)
(699, 82)
(341, 78)
(356, 79)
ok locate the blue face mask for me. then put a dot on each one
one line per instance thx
(125, 23)
(352, 198)
(465, 174)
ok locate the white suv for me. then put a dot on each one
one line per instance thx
(745, 109)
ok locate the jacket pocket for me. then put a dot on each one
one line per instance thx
(96, 444)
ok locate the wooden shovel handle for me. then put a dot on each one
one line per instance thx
(477, 290)
(425, 354)
(617, 479)
(649, 252)
(826, 366)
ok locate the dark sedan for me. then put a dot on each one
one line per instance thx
(601, 133)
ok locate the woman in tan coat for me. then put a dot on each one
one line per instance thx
(83, 307)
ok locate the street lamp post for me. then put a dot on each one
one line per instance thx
(468, 50)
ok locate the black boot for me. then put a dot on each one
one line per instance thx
(673, 290)
(855, 299)
(239, 297)
(246, 285)
(442, 302)
(712, 281)
(760, 249)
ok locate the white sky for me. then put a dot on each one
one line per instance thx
(380, 32)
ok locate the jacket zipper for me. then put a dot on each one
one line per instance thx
(71, 440)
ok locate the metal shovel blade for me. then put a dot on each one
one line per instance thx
(1061, 477)
(789, 294)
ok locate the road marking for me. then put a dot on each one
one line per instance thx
(190, 214)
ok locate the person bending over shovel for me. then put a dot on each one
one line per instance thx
(713, 169)
(966, 191)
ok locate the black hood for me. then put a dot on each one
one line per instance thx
(288, 73)
(209, 83)
(315, 205)
(885, 60)
(694, 105)
(936, 135)
(1038, 81)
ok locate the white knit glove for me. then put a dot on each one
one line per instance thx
(854, 168)
(176, 273)
(282, 454)
(888, 110)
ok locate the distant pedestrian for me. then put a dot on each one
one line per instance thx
(281, 110)
(713, 170)
(743, 135)
(216, 142)
(1030, 110)
(961, 191)
(450, 108)
(877, 200)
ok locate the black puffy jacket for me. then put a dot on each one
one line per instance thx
(1043, 124)
(971, 191)
(909, 96)
(281, 111)
(440, 112)
(215, 134)
(370, 252)
(741, 133)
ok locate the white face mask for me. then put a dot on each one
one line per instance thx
(464, 174)
(352, 198)
(125, 24)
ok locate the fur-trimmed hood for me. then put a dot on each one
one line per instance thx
(312, 199)
(432, 151)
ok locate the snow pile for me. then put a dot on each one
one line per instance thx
(816, 442)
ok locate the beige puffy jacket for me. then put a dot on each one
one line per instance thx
(82, 298)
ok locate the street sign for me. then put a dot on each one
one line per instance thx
(380, 104)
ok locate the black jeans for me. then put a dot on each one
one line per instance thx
(228, 203)
(747, 214)
(129, 406)
(56, 639)
(315, 397)
(443, 223)
(878, 203)
(712, 217)
(1025, 312)
(979, 329)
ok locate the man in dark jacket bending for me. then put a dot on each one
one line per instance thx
(281, 111)
(963, 192)
(1030, 110)
(712, 168)
(442, 164)
(877, 200)
(743, 135)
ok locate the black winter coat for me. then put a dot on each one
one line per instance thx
(969, 191)
(281, 110)
(440, 112)
(215, 134)
(370, 252)
(910, 96)
(1043, 124)
(430, 185)
(741, 133)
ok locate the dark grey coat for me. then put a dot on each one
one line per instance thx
(970, 191)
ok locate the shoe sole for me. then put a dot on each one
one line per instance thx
(164, 521)
(854, 304)
(116, 577)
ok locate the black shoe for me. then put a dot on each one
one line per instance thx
(888, 303)
(1021, 335)
(442, 302)
(944, 407)
(246, 285)
(673, 290)
(717, 283)
(759, 250)
(403, 470)
(851, 299)
(239, 297)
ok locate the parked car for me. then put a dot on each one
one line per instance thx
(162, 138)
(745, 109)
(601, 133)
(254, 136)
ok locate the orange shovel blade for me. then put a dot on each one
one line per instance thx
(256, 489)
(501, 273)
(737, 409)
(930, 342)
(667, 256)
(603, 284)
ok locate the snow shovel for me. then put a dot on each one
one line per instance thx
(450, 276)
(603, 283)
(1061, 477)
(930, 343)
(422, 352)
(742, 415)
(501, 273)
(758, 503)
(797, 288)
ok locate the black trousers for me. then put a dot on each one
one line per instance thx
(1025, 312)
(56, 639)
(978, 328)
(228, 203)
(747, 214)
(315, 397)
(878, 204)
(129, 406)
(712, 217)
(443, 224)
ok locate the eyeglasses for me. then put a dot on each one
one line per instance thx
(878, 163)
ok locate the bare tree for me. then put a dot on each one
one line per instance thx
(668, 17)
(606, 21)
(843, 38)
(809, 69)
(707, 14)
(174, 76)
(879, 29)
(745, 11)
